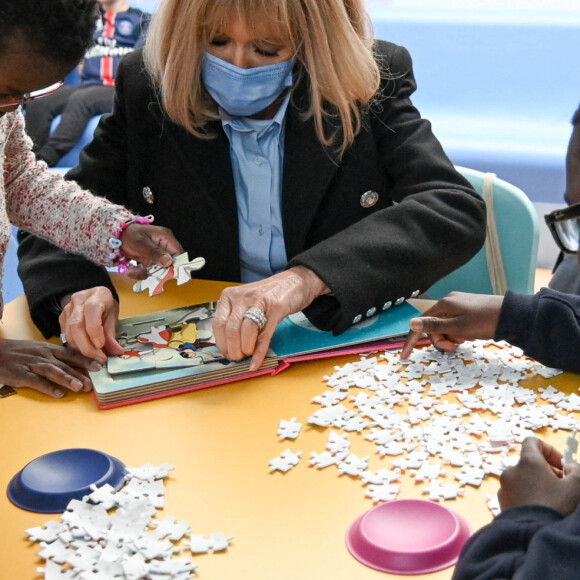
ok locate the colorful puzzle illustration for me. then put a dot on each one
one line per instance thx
(174, 343)
(180, 270)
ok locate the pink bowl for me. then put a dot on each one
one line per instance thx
(408, 536)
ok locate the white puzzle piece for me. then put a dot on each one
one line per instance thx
(289, 429)
(353, 465)
(324, 459)
(383, 492)
(286, 461)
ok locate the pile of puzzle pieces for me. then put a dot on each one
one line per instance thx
(114, 535)
(397, 406)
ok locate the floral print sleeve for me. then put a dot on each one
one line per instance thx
(44, 203)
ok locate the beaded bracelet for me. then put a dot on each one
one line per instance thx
(117, 256)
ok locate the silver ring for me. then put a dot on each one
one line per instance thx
(62, 338)
(256, 315)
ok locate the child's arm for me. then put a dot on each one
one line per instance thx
(43, 202)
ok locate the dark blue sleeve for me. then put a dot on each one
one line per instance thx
(546, 326)
(145, 22)
(523, 543)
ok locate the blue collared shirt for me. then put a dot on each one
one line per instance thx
(257, 156)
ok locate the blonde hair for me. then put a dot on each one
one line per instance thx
(332, 40)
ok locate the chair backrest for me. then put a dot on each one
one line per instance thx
(11, 284)
(518, 231)
(71, 159)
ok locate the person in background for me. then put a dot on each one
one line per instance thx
(40, 42)
(566, 276)
(279, 141)
(119, 30)
(537, 534)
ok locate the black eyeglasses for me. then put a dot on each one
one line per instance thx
(16, 100)
(563, 224)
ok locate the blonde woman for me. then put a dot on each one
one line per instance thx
(278, 140)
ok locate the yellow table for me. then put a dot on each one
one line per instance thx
(286, 526)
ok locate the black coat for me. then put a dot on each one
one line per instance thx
(367, 256)
(546, 326)
(530, 542)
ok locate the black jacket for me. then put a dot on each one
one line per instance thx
(367, 256)
(523, 543)
(546, 326)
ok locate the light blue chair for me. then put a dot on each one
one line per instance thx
(518, 233)
(71, 159)
(11, 285)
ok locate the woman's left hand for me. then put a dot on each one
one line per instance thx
(276, 296)
(150, 245)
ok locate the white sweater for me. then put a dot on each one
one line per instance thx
(42, 202)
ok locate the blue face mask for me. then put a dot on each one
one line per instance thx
(245, 91)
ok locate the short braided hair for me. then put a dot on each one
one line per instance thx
(60, 30)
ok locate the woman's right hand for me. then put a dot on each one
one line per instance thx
(44, 367)
(89, 322)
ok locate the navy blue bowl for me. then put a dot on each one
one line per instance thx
(47, 484)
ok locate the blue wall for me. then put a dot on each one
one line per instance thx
(145, 5)
(499, 87)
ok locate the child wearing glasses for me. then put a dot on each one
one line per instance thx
(537, 535)
(566, 276)
(40, 42)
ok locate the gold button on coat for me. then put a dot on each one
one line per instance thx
(369, 198)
